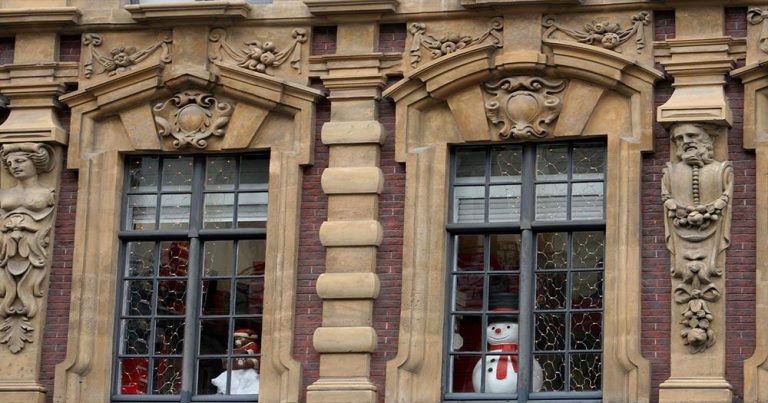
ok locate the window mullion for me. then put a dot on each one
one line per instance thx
(194, 266)
(527, 261)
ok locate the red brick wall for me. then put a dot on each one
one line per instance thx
(664, 25)
(6, 50)
(392, 38)
(740, 266)
(323, 41)
(314, 210)
(57, 313)
(386, 315)
(69, 48)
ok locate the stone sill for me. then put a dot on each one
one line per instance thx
(218, 10)
(496, 3)
(327, 7)
(50, 17)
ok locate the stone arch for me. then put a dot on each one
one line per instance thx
(442, 103)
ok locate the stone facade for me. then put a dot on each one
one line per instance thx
(361, 104)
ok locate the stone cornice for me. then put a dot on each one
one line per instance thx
(60, 71)
(216, 10)
(336, 7)
(499, 3)
(35, 19)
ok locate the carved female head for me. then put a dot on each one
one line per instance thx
(23, 160)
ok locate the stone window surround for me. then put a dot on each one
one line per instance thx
(450, 88)
(123, 105)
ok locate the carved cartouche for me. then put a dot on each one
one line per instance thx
(25, 224)
(696, 192)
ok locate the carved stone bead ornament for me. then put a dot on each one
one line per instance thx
(696, 192)
(451, 41)
(608, 35)
(256, 55)
(758, 16)
(190, 117)
(26, 219)
(120, 58)
(523, 107)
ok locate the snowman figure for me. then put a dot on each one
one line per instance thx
(501, 364)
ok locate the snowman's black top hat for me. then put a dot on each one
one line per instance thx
(503, 302)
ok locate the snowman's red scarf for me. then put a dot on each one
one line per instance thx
(501, 367)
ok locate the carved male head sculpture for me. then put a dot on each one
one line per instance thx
(17, 158)
(694, 142)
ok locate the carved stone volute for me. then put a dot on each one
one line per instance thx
(696, 193)
(26, 220)
(523, 107)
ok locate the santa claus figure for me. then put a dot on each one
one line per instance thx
(502, 362)
(244, 374)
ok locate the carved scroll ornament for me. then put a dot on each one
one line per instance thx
(758, 16)
(605, 34)
(26, 214)
(256, 55)
(190, 117)
(451, 41)
(524, 107)
(120, 58)
(696, 192)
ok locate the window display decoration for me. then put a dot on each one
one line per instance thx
(257, 55)
(756, 16)
(450, 42)
(27, 218)
(192, 116)
(120, 58)
(605, 34)
(524, 107)
(696, 192)
(245, 375)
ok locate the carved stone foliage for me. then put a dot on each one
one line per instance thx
(696, 192)
(523, 107)
(758, 16)
(190, 117)
(26, 219)
(450, 42)
(256, 55)
(608, 35)
(120, 58)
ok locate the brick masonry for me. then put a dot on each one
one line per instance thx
(6, 50)
(740, 266)
(323, 41)
(57, 313)
(69, 48)
(392, 38)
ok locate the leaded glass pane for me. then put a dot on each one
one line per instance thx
(141, 212)
(218, 211)
(586, 371)
(220, 173)
(167, 379)
(142, 174)
(254, 173)
(505, 252)
(553, 371)
(587, 201)
(552, 201)
(552, 162)
(469, 253)
(217, 258)
(506, 164)
(177, 174)
(470, 166)
(504, 203)
(588, 161)
(469, 204)
(552, 250)
(140, 259)
(252, 210)
(174, 211)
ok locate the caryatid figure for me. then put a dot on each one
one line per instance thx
(696, 191)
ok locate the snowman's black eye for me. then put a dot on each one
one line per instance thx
(490, 369)
(493, 327)
(509, 327)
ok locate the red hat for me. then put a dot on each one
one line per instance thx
(247, 333)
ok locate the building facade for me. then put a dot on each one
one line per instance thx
(383, 201)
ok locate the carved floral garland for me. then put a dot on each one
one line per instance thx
(257, 56)
(120, 58)
(607, 35)
(451, 41)
(190, 117)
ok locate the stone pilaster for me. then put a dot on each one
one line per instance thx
(697, 112)
(352, 234)
(32, 139)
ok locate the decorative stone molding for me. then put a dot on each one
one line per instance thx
(190, 117)
(525, 107)
(451, 41)
(120, 58)
(27, 220)
(211, 11)
(257, 56)
(39, 18)
(756, 16)
(608, 35)
(336, 7)
(696, 192)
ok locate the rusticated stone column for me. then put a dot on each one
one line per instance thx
(31, 151)
(352, 234)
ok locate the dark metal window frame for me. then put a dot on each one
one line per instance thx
(527, 227)
(196, 236)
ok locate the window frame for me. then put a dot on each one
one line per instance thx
(196, 235)
(527, 227)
